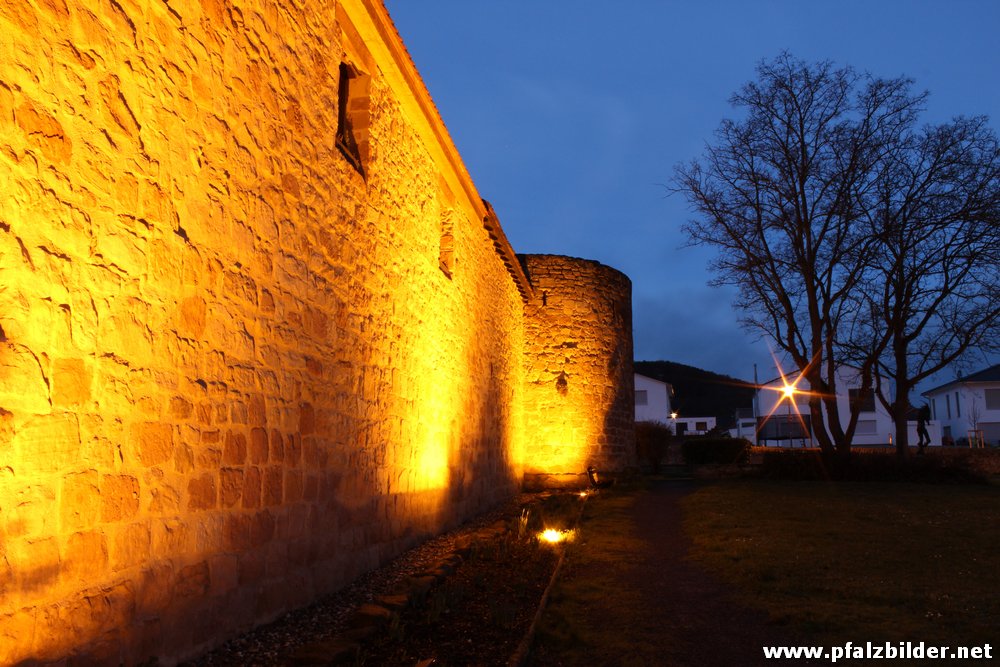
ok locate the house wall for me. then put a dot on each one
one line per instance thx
(579, 398)
(968, 406)
(233, 373)
(693, 425)
(874, 428)
(657, 407)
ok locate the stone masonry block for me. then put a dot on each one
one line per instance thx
(119, 497)
(79, 501)
(230, 487)
(307, 419)
(31, 511)
(293, 486)
(44, 132)
(293, 449)
(272, 486)
(71, 382)
(191, 317)
(131, 546)
(155, 590)
(257, 411)
(224, 573)
(17, 632)
(262, 528)
(201, 492)
(35, 563)
(155, 442)
(234, 451)
(258, 445)
(47, 443)
(170, 537)
(180, 407)
(251, 567)
(204, 413)
(277, 446)
(238, 413)
(84, 556)
(237, 532)
(252, 488)
(192, 581)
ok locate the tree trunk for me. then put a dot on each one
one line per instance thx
(900, 410)
(819, 427)
(901, 402)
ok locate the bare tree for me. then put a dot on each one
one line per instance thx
(933, 290)
(852, 236)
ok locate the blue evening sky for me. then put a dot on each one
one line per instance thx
(571, 115)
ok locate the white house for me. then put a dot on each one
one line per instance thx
(652, 400)
(783, 409)
(746, 425)
(969, 407)
(692, 425)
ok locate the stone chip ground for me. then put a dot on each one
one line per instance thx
(463, 598)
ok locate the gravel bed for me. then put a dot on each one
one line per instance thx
(271, 644)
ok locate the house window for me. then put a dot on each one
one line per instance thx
(947, 404)
(701, 426)
(641, 397)
(993, 399)
(934, 408)
(862, 399)
(865, 427)
(353, 116)
(958, 406)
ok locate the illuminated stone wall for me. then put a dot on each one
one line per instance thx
(239, 366)
(579, 398)
(234, 373)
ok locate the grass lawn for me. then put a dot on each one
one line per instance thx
(857, 561)
(590, 579)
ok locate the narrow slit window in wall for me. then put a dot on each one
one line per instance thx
(353, 116)
(446, 255)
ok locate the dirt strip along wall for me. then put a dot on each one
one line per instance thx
(235, 372)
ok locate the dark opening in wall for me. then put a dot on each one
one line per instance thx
(353, 116)
(446, 253)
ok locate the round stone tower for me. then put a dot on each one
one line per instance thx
(579, 389)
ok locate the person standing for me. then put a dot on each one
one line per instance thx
(923, 437)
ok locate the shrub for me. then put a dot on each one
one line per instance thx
(864, 466)
(793, 464)
(716, 450)
(651, 442)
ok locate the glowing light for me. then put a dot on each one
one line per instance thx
(554, 536)
(788, 392)
(583, 494)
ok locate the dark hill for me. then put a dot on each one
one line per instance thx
(701, 393)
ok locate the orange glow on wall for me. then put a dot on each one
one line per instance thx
(236, 371)
(579, 388)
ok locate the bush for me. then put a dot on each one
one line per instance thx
(652, 440)
(864, 466)
(716, 450)
(793, 464)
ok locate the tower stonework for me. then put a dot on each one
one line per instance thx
(579, 398)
